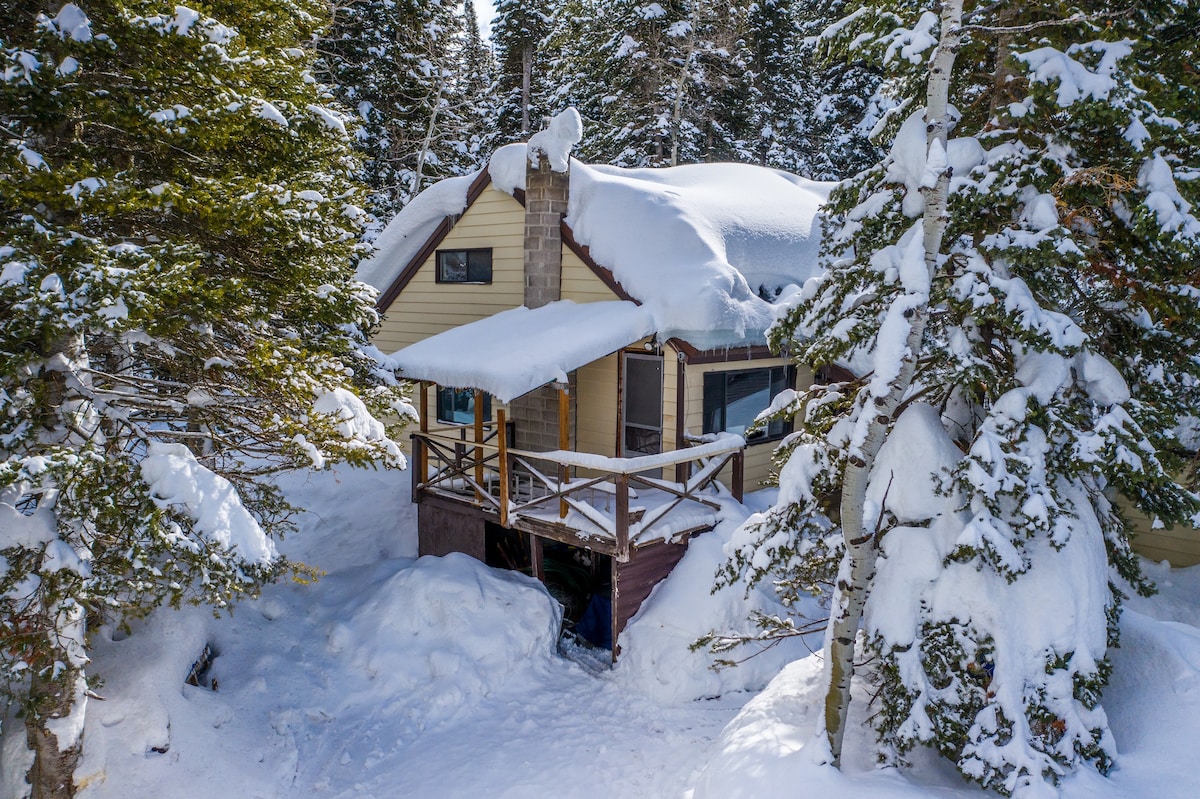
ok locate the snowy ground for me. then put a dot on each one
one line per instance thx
(393, 677)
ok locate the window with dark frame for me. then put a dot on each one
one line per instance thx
(457, 405)
(464, 266)
(733, 399)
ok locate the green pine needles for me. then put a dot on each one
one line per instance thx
(1056, 324)
(178, 320)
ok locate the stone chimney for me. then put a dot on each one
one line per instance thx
(547, 186)
(546, 194)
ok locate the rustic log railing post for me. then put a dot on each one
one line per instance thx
(739, 474)
(418, 471)
(564, 440)
(502, 442)
(420, 454)
(478, 440)
(622, 520)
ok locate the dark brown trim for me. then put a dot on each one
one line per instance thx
(724, 354)
(481, 182)
(832, 373)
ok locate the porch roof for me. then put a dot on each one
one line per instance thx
(515, 351)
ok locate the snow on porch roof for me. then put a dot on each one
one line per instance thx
(515, 351)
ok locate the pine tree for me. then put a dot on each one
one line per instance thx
(473, 107)
(520, 90)
(839, 98)
(658, 81)
(178, 320)
(1015, 283)
(398, 64)
(773, 71)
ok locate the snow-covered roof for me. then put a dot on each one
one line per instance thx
(515, 351)
(708, 249)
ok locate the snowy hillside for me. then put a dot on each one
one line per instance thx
(439, 678)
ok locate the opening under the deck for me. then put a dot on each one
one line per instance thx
(506, 548)
(581, 580)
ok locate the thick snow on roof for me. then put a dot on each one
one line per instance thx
(699, 246)
(515, 351)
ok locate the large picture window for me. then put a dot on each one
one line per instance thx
(457, 405)
(464, 266)
(732, 400)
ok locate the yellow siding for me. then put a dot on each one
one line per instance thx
(758, 456)
(670, 397)
(596, 407)
(579, 282)
(426, 307)
(1180, 545)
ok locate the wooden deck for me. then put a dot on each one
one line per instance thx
(608, 505)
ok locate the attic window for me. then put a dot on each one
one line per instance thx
(464, 266)
(733, 399)
(457, 406)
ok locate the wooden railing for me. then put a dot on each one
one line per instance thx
(516, 484)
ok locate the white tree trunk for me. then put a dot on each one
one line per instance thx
(860, 533)
(526, 88)
(681, 80)
(427, 142)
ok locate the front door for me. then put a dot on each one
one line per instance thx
(641, 423)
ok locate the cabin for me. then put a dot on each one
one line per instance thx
(590, 346)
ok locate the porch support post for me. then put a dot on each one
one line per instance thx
(478, 439)
(622, 482)
(739, 474)
(535, 557)
(564, 438)
(502, 442)
(419, 473)
(421, 455)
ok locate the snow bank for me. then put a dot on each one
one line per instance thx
(768, 751)
(1153, 702)
(447, 630)
(656, 658)
(351, 517)
(147, 711)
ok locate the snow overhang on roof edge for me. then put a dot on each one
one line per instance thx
(516, 351)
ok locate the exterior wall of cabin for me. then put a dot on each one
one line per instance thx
(671, 367)
(1180, 544)
(758, 455)
(596, 407)
(426, 307)
(579, 283)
